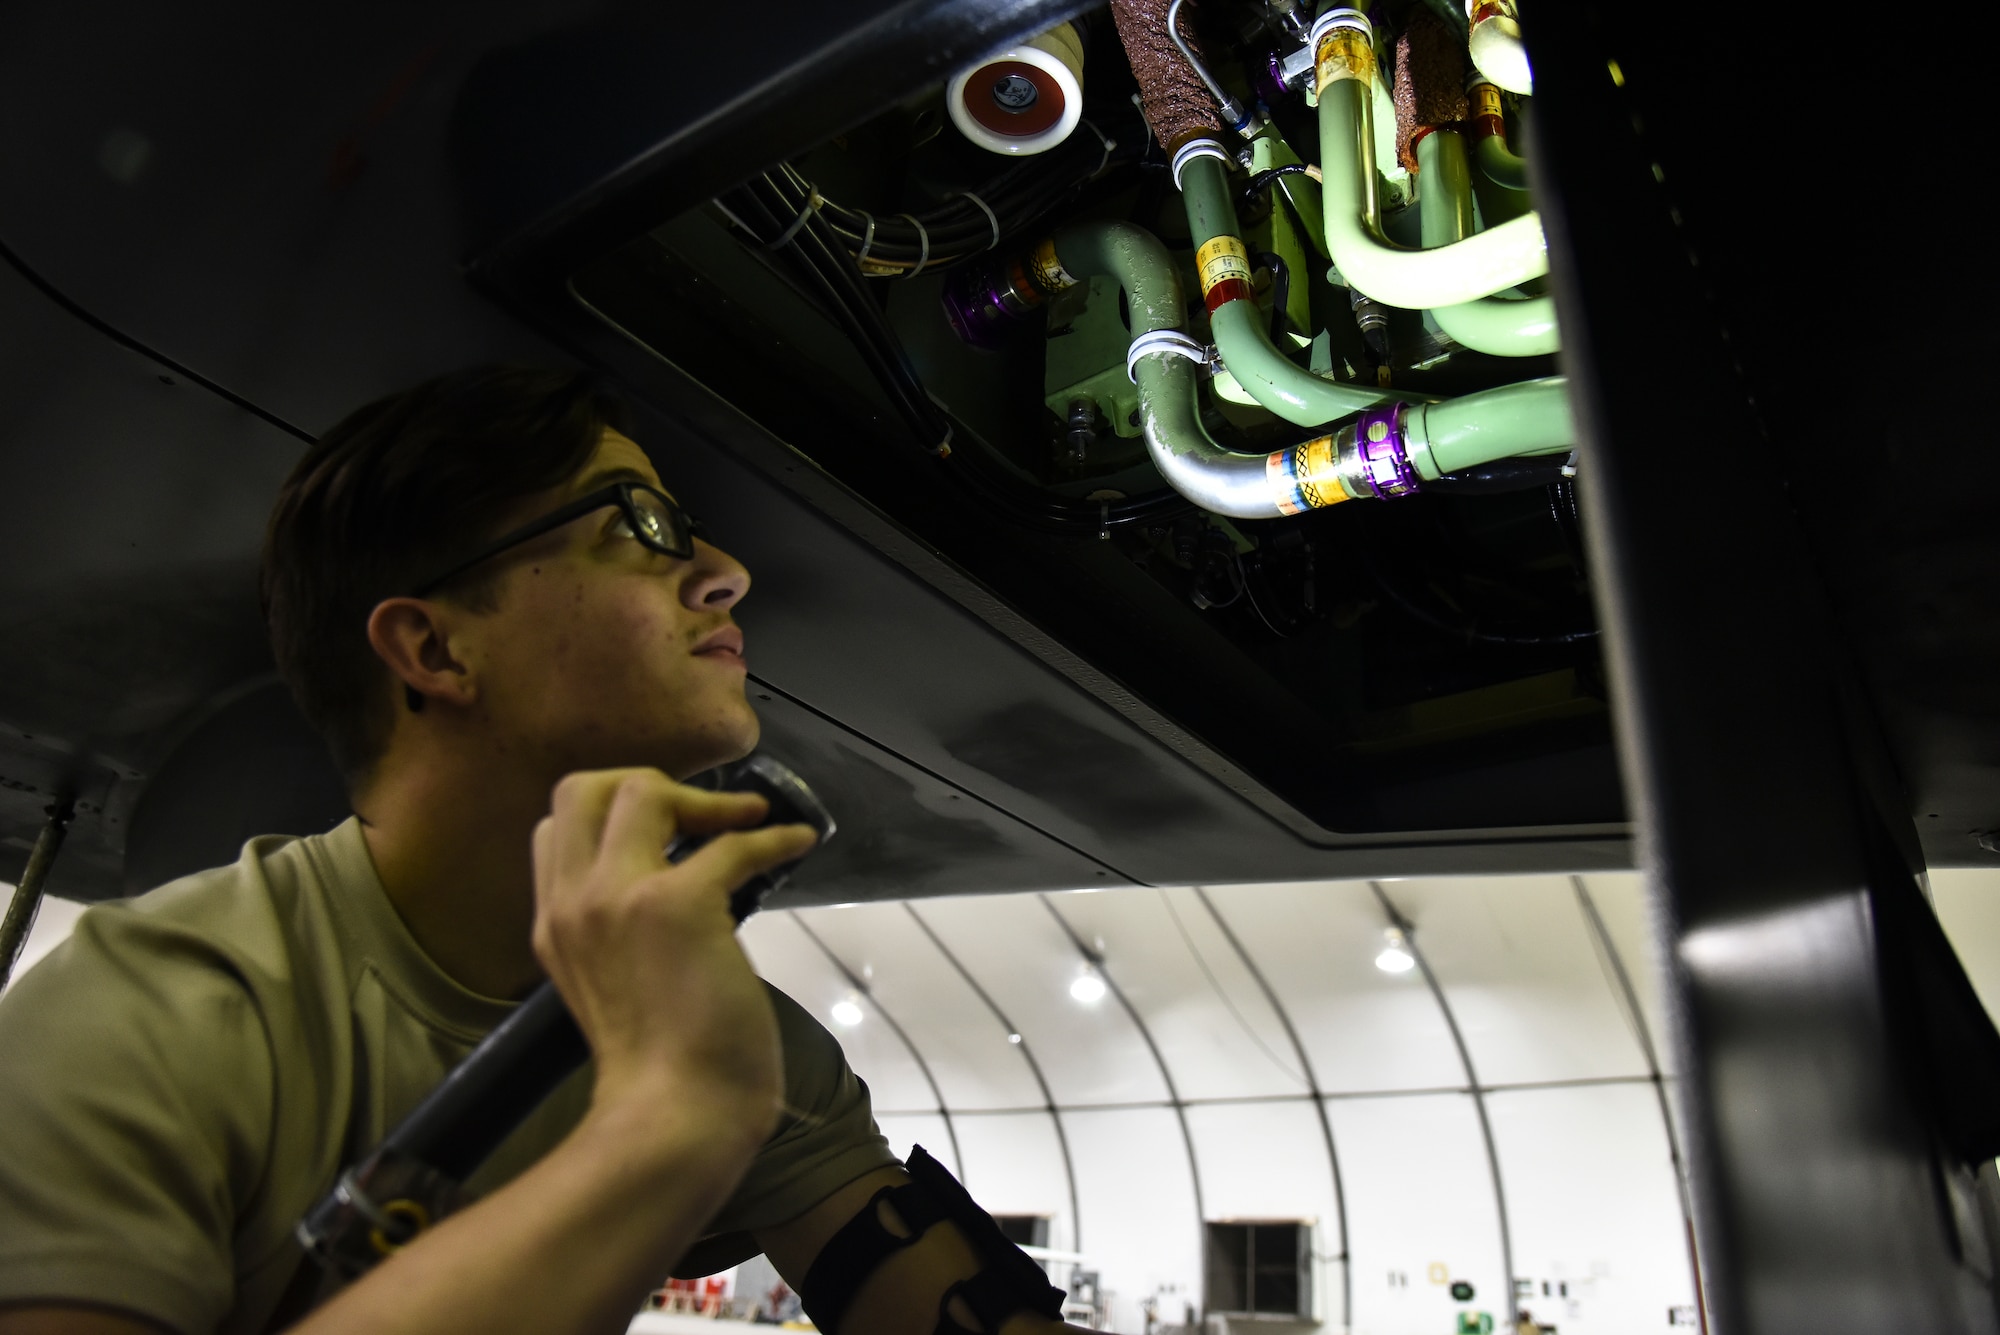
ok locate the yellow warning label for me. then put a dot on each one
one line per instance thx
(1485, 100)
(1220, 259)
(1344, 54)
(1046, 271)
(1284, 490)
(1316, 473)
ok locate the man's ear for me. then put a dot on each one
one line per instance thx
(413, 637)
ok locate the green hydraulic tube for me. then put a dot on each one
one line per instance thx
(1241, 337)
(1502, 326)
(1530, 417)
(1389, 451)
(1499, 164)
(1496, 161)
(1169, 374)
(1477, 266)
(1134, 257)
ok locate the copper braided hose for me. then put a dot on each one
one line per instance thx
(1175, 101)
(1430, 82)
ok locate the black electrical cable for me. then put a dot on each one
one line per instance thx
(755, 213)
(1262, 180)
(1467, 629)
(917, 414)
(821, 258)
(864, 322)
(1251, 589)
(959, 227)
(1502, 475)
(1281, 292)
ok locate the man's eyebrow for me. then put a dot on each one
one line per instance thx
(606, 477)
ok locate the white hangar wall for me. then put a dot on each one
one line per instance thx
(1251, 1062)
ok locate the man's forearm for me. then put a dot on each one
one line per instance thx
(568, 1248)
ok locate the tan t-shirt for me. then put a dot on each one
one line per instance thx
(188, 1073)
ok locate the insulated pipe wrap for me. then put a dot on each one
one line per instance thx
(1176, 103)
(1430, 82)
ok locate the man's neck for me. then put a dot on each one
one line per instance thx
(452, 849)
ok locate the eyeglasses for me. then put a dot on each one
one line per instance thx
(654, 519)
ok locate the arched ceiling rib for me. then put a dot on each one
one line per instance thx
(1515, 960)
(1365, 1030)
(783, 954)
(966, 1046)
(1216, 1032)
(1090, 1054)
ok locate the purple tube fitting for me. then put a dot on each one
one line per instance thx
(984, 305)
(1383, 465)
(1267, 77)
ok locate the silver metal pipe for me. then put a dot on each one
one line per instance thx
(1218, 480)
(1232, 110)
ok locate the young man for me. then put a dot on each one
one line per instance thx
(484, 597)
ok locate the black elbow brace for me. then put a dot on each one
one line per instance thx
(1008, 1280)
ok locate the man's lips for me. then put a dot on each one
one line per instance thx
(724, 646)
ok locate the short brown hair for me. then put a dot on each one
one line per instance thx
(396, 491)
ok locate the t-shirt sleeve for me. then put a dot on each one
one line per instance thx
(135, 1097)
(826, 1139)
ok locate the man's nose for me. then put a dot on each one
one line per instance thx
(717, 581)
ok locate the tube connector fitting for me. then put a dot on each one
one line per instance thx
(1375, 459)
(1283, 72)
(984, 302)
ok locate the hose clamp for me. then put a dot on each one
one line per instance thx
(1169, 341)
(1334, 20)
(1200, 148)
(1382, 462)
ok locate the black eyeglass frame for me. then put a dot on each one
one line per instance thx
(619, 494)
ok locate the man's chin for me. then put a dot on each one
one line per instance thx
(720, 748)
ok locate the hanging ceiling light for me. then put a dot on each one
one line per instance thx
(1088, 988)
(1013, 1038)
(1396, 956)
(847, 1012)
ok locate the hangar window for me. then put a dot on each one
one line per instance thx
(1260, 1268)
(1028, 1230)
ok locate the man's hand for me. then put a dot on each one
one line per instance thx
(688, 1078)
(645, 952)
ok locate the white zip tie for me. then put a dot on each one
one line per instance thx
(924, 253)
(1200, 148)
(1171, 341)
(1109, 144)
(813, 201)
(867, 238)
(989, 217)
